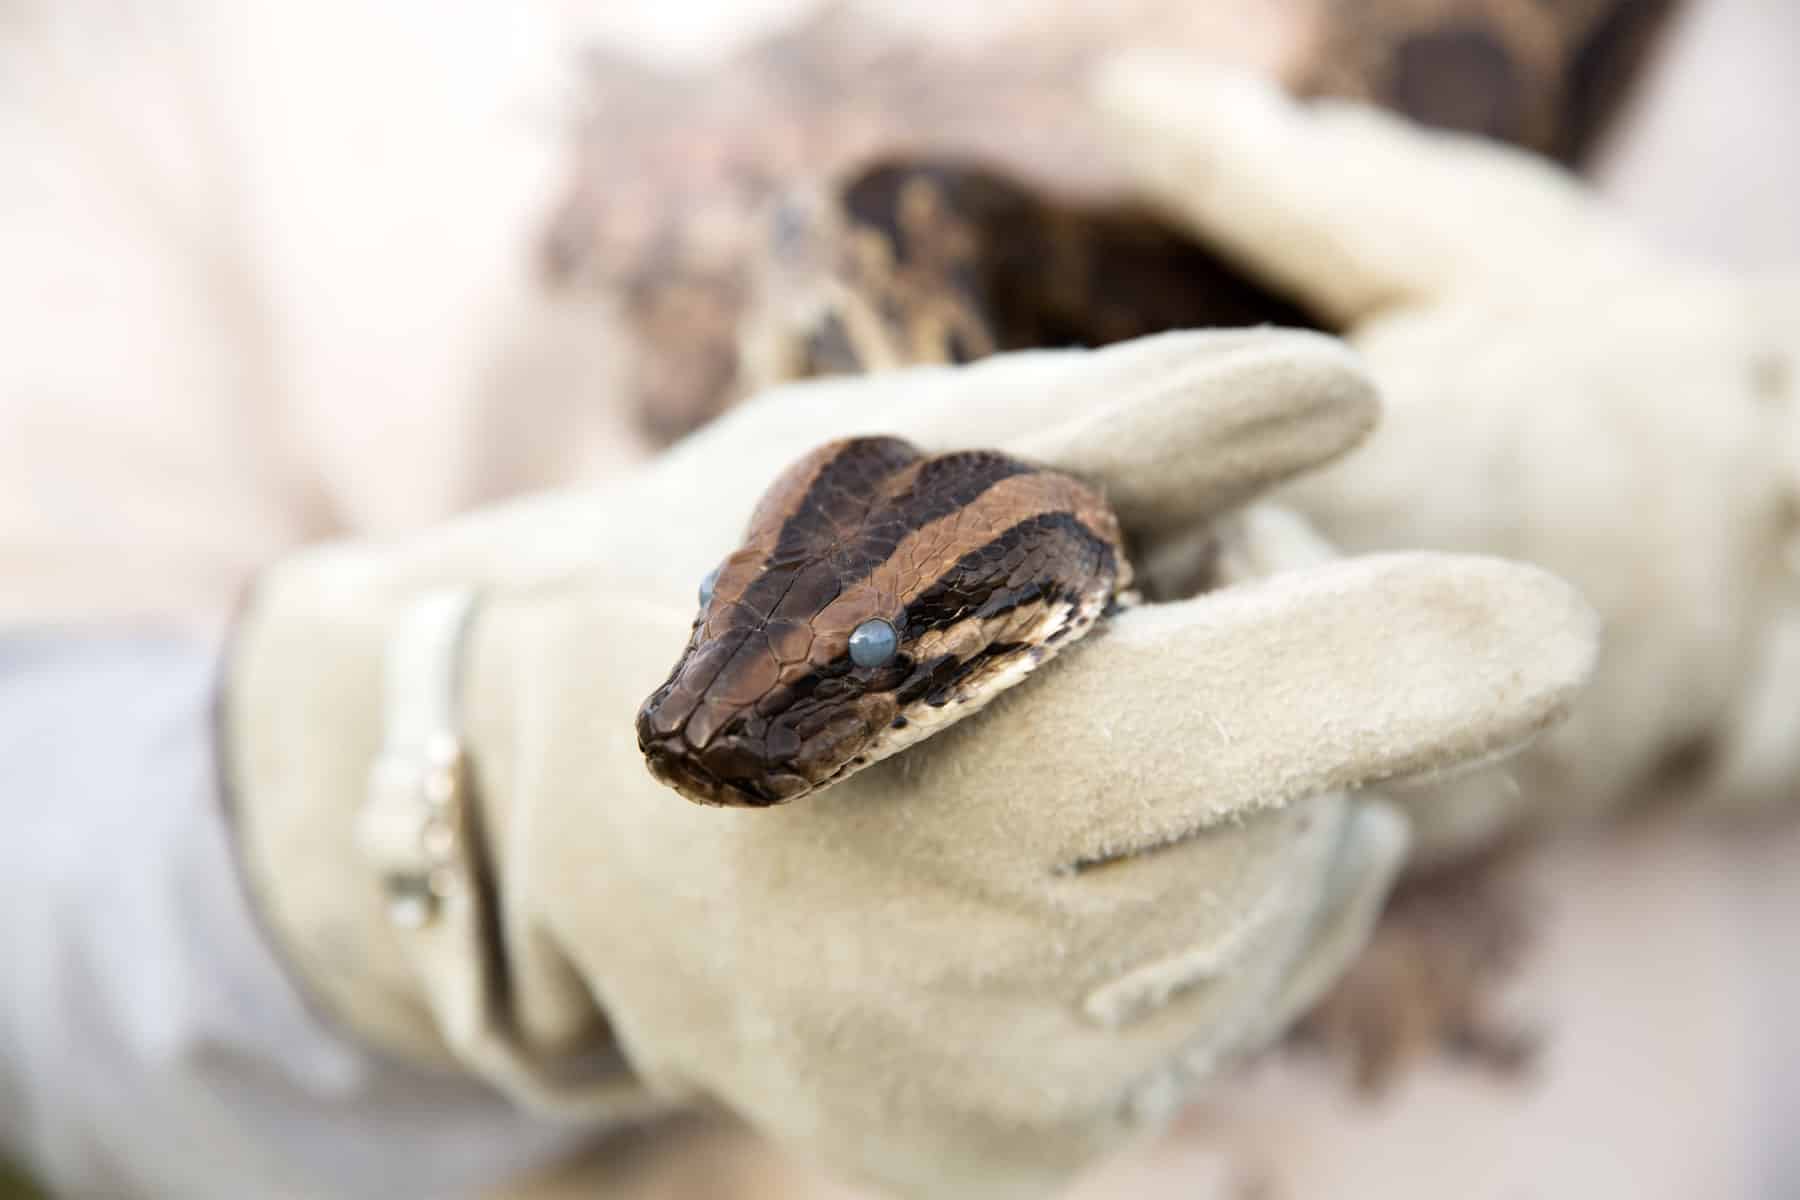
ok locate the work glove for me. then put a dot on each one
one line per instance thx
(1555, 390)
(965, 971)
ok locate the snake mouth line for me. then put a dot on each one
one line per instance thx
(686, 775)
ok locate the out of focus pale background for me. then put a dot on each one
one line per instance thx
(272, 272)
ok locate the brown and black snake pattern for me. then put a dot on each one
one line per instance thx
(982, 566)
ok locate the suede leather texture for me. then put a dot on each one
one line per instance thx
(974, 968)
(1556, 391)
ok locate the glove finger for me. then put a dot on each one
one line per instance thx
(1175, 427)
(1287, 385)
(1210, 435)
(1259, 695)
(1350, 209)
(1240, 986)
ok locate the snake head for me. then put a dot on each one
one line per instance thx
(879, 595)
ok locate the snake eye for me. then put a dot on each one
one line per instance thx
(706, 586)
(873, 643)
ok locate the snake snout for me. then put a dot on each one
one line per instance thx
(711, 755)
(754, 761)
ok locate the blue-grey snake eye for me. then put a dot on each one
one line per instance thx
(873, 644)
(706, 586)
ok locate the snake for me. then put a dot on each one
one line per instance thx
(879, 594)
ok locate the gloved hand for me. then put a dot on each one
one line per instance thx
(1555, 391)
(965, 971)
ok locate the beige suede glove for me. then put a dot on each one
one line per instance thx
(1555, 391)
(963, 972)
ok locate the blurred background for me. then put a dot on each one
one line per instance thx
(277, 272)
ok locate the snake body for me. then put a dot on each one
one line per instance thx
(972, 567)
(673, 173)
(942, 260)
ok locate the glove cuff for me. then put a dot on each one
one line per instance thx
(360, 836)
